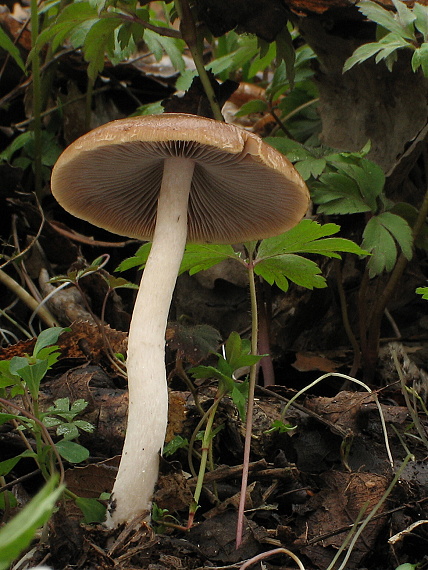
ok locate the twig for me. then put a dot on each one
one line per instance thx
(26, 298)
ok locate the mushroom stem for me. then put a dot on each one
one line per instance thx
(148, 393)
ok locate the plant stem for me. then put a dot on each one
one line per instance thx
(206, 444)
(37, 101)
(345, 319)
(250, 402)
(189, 35)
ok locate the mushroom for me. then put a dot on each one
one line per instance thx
(169, 179)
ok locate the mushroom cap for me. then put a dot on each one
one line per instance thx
(242, 189)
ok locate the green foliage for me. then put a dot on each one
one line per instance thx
(108, 29)
(21, 152)
(423, 291)
(8, 46)
(380, 237)
(178, 442)
(277, 259)
(349, 183)
(280, 427)
(62, 416)
(93, 511)
(398, 30)
(22, 376)
(237, 355)
(18, 533)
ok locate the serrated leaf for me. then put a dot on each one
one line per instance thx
(174, 445)
(405, 18)
(163, 44)
(421, 21)
(379, 238)
(420, 59)
(292, 149)
(423, 291)
(337, 193)
(138, 260)
(400, 230)
(263, 59)
(384, 18)
(71, 19)
(291, 267)
(385, 46)
(99, 40)
(233, 61)
(295, 240)
(193, 342)
(198, 257)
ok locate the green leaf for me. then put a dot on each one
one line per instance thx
(263, 59)
(254, 106)
(420, 59)
(93, 511)
(399, 24)
(68, 431)
(7, 500)
(421, 21)
(405, 18)
(423, 291)
(400, 230)
(16, 535)
(47, 338)
(203, 372)
(138, 260)
(291, 267)
(307, 237)
(280, 427)
(172, 47)
(353, 188)
(383, 48)
(337, 193)
(71, 451)
(174, 445)
(99, 40)
(78, 406)
(379, 238)
(32, 374)
(285, 52)
(84, 425)
(19, 142)
(72, 20)
(7, 44)
(7, 465)
(198, 257)
(239, 395)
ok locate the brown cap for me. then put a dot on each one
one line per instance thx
(242, 189)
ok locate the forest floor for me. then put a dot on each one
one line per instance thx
(337, 477)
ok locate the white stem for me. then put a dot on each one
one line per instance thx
(148, 392)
